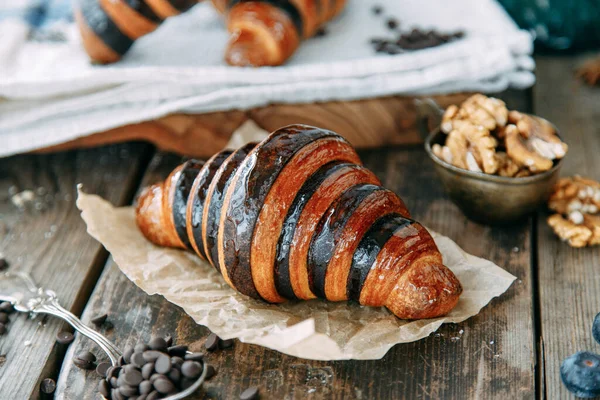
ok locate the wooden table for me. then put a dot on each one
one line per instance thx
(512, 349)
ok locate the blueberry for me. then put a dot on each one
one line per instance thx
(581, 374)
(596, 328)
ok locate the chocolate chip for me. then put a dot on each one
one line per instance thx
(133, 378)
(169, 340)
(210, 372)
(3, 317)
(147, 370)
(178, 351)
(85, 360)
(163, 364)
(153, 395)
(121, 361)
(2, 328)
(102, 369)
(113, 372)
(127, 353)
(3, 264)
(104, 388)
(140, 397)
(163, 385)
(191, 369)
(114, 382)
(377, 10)
(158, 343)
(116, 395)
(128, 391)
(174, 375)
(6, 307)
(194, 357)
(48, 386)
(99, 319)
(151, 355)
(140, 348)
(177, 361)
(225, 344)
(322, 31)
(212, 342)
(65, 337)
(392, 23)
(145, 387)
(249, 394)
(155, 377)
(138, 359)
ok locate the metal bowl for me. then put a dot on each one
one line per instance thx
(492, 199)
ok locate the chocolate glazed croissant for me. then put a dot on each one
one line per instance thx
(298, 217)
(109, 27)
(268, 32)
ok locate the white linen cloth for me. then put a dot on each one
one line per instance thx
(50, 93)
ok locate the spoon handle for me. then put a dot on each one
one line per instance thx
(51, 306)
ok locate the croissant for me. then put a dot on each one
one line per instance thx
(108, 28)
(297, 216)
(268, 32)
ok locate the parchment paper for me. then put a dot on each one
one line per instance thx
(314, 329)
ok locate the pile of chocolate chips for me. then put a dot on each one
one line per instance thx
(147, 371)
(416, 39)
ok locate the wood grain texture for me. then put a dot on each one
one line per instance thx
(493, 356)
(365, 123)
(569, 279)
(48, 239)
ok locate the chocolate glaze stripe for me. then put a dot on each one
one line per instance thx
(195, 208)
(368, 249)
(183, 186)
(145, 10)
(215, 198)
(101, 24)
(282, 266)
(330, 228)
(284, 5)
(247, 193)
(183, 5)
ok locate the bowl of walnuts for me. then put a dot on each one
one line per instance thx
(497, 165)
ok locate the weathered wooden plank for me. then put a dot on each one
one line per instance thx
(47, 238)
(569, 279)
(488, 356)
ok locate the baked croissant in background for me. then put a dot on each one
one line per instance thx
(268, 32)
(108, 28)
(263, 32)
(297, 216)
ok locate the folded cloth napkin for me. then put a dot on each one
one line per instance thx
(52, 93)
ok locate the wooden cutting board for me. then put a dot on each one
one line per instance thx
(365, 123)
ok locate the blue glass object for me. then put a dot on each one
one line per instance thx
(558, 25)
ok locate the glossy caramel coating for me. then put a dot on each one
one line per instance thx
(297, 217)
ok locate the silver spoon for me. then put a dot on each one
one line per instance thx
(26, 296)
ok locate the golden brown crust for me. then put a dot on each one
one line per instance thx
(344, 215)
(129, 21)
(96, 49)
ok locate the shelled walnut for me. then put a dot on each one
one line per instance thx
(482, 127)
(575, 200)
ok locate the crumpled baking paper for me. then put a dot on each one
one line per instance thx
(315, 329)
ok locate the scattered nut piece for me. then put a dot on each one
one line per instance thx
(575, 194)
(576, 199)
(575, 235)
(590, 71)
